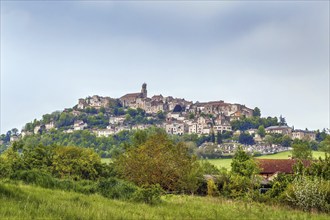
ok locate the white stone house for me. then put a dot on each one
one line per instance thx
(79, 125)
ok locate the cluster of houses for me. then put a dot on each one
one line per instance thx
(181, 116)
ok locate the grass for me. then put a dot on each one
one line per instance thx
(30, 202)
(283, 155)
(106, 160)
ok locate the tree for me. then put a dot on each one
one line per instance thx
(269, 140)
(245, 138)
(14, 131)
(243, 164)
(320, 136)
(286, 141)
(256, 112)
(261, 131)
(325, 144)
(219, 138)
(301, 150)
(158, 161)
(76, 163)
(161, 115)
(191, 116)
(212, 137)
(282, 121)
(38, 157)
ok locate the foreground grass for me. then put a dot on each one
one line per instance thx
(282, 155)
(29, 202)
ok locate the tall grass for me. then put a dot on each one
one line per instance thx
(31, 202)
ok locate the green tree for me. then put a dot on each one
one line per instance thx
(282, 121)
(219, 138)
(76, 163)
(325, 144)
(158, 161)
(38, 157)
(161, 115)
(256, 112)
(245, 138)
(301, 150)
(243, 164)
(286, 141)
(261, 131)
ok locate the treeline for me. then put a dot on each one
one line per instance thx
(106, 147)
(152, 164)
(95, 118)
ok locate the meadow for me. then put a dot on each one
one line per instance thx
(282, 155)
(227, 161)
(30, 202)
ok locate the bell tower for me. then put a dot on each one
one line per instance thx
(144, 90)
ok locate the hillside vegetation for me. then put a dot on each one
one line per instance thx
(31, 202)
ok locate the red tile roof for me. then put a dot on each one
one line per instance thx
(270, 166)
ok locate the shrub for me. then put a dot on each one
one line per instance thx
(116, 189)
(45, 180)
(212, 189)
(149, 195)
(34, 177)
(307, 194)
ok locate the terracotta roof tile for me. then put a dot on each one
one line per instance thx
(269, 166)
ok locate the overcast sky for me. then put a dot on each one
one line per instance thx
(273, 55)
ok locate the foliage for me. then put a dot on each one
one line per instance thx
(150, 195)
(116, 189)
(261, 131)
(306, 193)
(325, 144)
(208, 151)
(212, 189)
(243, 164)
(301, 150)
(245, 138)
(256, 112)
(246, 123)
(320, 168)
(157, 161)
(76, 163)
(279, 185)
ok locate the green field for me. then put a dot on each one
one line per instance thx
(30, 202)
(105, 160)
(226, 162)
(283, 155)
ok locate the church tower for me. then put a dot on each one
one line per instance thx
(144, 90)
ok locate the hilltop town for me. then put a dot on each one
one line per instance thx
(180, 116)
(211, 121)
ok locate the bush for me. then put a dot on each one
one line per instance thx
(212, 189)
(116, 189)
(308, 194)
(45, 180)
(34, 177)
(149, 195)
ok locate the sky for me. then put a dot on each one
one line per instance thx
(268, 54)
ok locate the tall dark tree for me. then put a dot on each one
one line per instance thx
(219, 138)
(245, 138)
(282, 121)
(256, 112)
